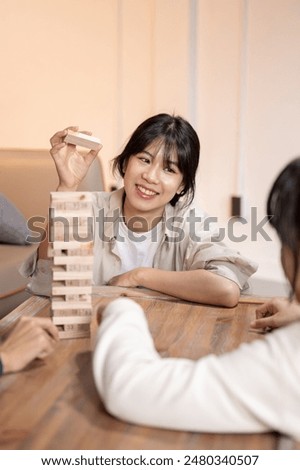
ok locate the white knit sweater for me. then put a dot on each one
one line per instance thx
(255, 388)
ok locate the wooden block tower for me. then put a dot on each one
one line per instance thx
(71, 247)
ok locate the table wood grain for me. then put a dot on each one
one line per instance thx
(53, 403)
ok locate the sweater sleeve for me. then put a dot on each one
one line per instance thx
(252, 389)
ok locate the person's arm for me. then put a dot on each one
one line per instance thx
(276, 313)
(211, 273)
(197, 285)
(31, 338)
(252, 389)
(71, 167)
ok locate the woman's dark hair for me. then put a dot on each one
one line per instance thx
(283, 209)
(175, 134)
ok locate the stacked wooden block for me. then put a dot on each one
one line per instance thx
(71, 247)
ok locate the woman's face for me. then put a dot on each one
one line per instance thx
(288, 264)
(150, 183)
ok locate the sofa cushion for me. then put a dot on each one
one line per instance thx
(13, 225)
(12, 283)
(12, 257)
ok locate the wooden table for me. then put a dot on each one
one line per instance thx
(53, 404)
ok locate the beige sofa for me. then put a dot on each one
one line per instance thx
(26, 179)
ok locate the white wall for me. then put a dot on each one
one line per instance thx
(229, 66)
(271, 109)
(249, 112)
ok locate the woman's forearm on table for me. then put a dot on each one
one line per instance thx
(197, 286)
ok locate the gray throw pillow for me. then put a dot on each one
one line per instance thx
(13, 225)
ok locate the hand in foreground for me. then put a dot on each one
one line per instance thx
(31, 338)
(276, 313)
(70, 164)
(101, 307)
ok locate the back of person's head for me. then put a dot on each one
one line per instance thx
(175, 134)
(283, 209)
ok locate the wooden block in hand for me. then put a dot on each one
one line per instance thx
(82, 140)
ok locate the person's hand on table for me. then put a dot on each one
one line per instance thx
(31, 338)
(276, 313)
(101, 307)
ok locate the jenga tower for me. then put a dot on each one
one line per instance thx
(71, 247)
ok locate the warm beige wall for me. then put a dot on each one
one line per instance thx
(58, 68)
(104, 65)
(218, 58)
(229, 66)
(154, 60)
(107, 64)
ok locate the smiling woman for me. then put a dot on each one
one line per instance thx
(177, 143)
(148, 233)
(150, 184)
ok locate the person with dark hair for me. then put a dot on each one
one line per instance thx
(255, 388)
(286, 221)
(148, 233)
(176, 137)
